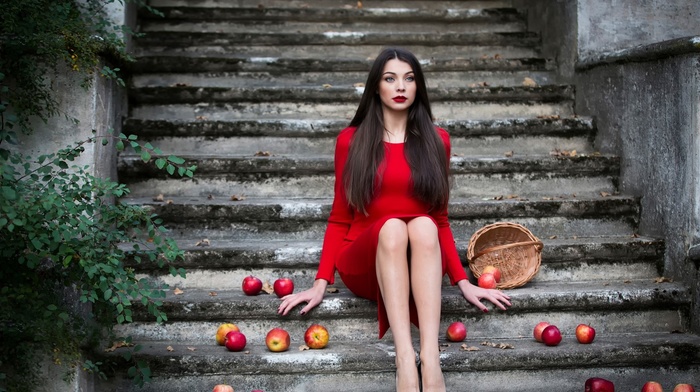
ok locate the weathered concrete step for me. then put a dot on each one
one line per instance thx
(639, 304)
(224, 264)
(294, 111)
(299, 146)
(234, 62)
(371, 12)
(131, 166)
(182, 210)
(329, 80)
(354, 54)
(196, 37)
(329, 128)
(334, 4)
(339, 94)
(628, 360)
(269, 26)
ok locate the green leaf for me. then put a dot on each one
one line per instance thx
(170, 169)
(105, 142)
(9, 193)
(145, 156)
(176, 160)
(160, 163)
(120, 146)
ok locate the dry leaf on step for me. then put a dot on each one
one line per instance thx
(181, 84)
(443, 347)
(237, 198)
(332, 290)
(464, 347)
(303, 347)
(502, 346)
(213, 294)
(204, 242)
(512, 197)
(497, 56)
(200, 118)
(509, 154)
(359, 85)
(159, 198)
(263, 154)
(210, 197)
(553, 237)
(527, 82)
(549, 117)
(192, 348)
(663, 279)
(117, 345)
(178, 291)
(170, 348)
(326, 85)
(604, 194)
(169, 201)
(267, 287)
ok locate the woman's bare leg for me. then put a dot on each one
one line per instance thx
(426, 286)
(393, 278)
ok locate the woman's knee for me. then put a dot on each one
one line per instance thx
(423, 233)
(393, 236)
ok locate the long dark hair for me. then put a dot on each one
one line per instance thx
(424, 149)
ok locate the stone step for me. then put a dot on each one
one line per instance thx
(450, 12)
(334, 4)
(194, 36)
(343, 94)
(464, 22)
(224, 264)
(294, 111)
(629, 360)
(299, 220)
(328, 128)
(313, 59)
(331, 80)
(198, 61)
(639, 306)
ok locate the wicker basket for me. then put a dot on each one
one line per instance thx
(510, 247)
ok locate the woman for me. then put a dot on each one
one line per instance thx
(388, 235)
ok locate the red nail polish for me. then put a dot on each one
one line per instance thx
(486, 310)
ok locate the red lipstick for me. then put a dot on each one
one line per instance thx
(400, 99)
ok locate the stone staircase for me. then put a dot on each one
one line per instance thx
(254, 93)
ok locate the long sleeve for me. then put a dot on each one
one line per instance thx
(341, 214)
(455, 270)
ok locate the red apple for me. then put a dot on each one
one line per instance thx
(551, 336)
(283, 286)
(585, 334)
(652, 386)
(277, 340)
(235, 341)
(537, 333)
(490, 269)
(684, 388)
(223, 388)
(596, 384)
(487, 281)
(456, 332)
(252, 285)
(223, 330)
(316, 336)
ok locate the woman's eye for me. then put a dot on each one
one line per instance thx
(409, 79)
(389, 79)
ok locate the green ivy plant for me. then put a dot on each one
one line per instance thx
(69, 253)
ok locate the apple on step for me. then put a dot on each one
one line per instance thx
(585, 334)
(487, 281)
(252, 285)
(490, 269)
(223, 388)
(684, 388)
(277, 340)
(283, 286)
(316, 336)
(235, 341)
(537, 333)
(551, 336)
(596, 384)
(456, 332)
(224, 329)
(652, 386)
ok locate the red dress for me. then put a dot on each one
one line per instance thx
(350, 242)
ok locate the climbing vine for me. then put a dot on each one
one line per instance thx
(68, 251)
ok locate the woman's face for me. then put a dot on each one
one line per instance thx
(397, 87)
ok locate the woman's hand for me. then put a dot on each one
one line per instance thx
(312, 297)
(474, 294)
